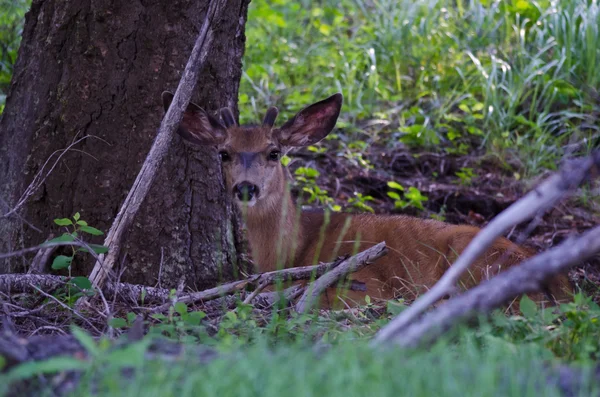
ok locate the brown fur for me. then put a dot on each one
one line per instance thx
(420, 250)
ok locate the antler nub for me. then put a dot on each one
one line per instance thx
(271, 116)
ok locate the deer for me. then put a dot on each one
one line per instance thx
(280, 235)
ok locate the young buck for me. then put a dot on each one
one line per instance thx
(420, 250)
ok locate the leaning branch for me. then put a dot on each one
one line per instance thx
(350, 265)
(512, 283)
(145, 178)
(571, 175)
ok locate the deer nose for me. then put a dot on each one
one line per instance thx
(245, 191)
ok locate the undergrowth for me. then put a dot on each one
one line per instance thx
(518, 77)
(501, 356)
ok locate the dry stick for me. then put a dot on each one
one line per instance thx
(39, 179)
(571, 175)
(21, 282)
(257, 291)
(159, 149)
(512, 283)
(67, 308)
(292, 274)
(42, 247)
(350, 265)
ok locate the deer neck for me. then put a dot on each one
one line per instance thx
(274, 231)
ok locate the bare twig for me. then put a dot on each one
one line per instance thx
(43, 246)
(145, 178)
(41, 177)
(512, 283)
(257, 291)
(571, 175)
(88, 322)
(348, 266)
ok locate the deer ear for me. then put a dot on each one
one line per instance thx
(197, 126)
(311, 124)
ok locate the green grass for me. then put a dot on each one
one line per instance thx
(488, 367)
(519, 77)
(11, 28)
(502, 356)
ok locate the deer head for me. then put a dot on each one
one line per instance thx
(250, 155)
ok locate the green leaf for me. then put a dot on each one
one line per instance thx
(131, 316)
(117, 322)
(61, 262)
(76, 216)
(194, 318)
(478, 107)
(82, 223)
(91, 230)
(86, 341)
(181, 308)
(393, 195)
(97, 248)
(231, 316)
(464, 108)
(308, 172)
(66, 237)
(82, 282)
(395, 185)
(528, 307)
(36, 368)
(63, 222)
(132, 355)
(159, 317)
(394, 307)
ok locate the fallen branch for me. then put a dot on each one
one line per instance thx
(512, 283)
(11, 283)
(350, 265)
(292, 274)
(173, 117)
(571, 175)
(14, 283)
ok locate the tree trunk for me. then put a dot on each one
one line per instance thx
(96, 69)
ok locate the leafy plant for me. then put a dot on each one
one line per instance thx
(465, 175)
(569, 331)
(403, 199)
(359, 201)
(77, 286)
(306, 178)
(11, 28)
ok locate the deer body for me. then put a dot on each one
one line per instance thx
(420, 250)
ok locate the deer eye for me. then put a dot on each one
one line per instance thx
(274, 155)
(224, 156)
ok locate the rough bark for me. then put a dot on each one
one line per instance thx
(97, 69)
